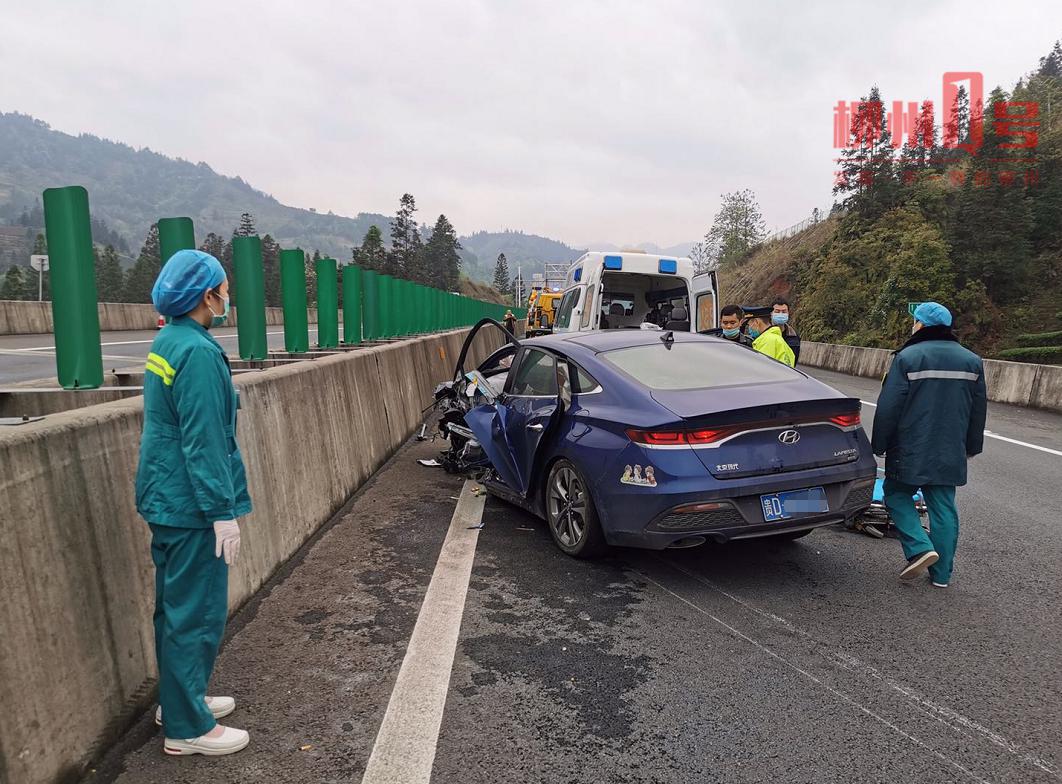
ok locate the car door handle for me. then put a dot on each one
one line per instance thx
(536, 427)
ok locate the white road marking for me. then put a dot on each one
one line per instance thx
(139, 342)
(818, 682)
(43, 353)
(404, 751)
(941, 713)
(998, 437)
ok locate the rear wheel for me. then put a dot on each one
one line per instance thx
(571, 514)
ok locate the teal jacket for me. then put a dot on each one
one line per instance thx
(191, 473)
(931, 412)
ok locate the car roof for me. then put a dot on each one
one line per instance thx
(598, 341)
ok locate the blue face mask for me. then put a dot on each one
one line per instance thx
(754, 333)
(779, 319)
(219, 319)
(732, 333)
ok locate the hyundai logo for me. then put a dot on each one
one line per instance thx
(789, 437)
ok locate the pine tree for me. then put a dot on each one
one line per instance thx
(14, 285)
(311, 277)
(993, 226)
(145, 271)
(737, 227)
(442, 262)
(502, 279)
(404, 260)
(214, 245)
(246, 227)
(1051, 65)
(271, 270)
(372, 254)
(110, 278)
(867, 178)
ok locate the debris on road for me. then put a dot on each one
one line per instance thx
(476, 526)
(433, 463)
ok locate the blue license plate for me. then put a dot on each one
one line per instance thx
(782, 506)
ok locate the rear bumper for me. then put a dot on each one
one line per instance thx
(742, 518)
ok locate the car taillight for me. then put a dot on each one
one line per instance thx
(678, 437)
(708, 436)
(657, 437)
(846, 420)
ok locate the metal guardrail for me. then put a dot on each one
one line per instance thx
(817, 216)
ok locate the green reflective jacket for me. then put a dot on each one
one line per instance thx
(931, 411)
(190, 473)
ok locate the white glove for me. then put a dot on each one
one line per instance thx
(227, 534)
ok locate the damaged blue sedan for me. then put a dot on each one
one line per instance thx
(654, 439)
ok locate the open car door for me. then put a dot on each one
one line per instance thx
(705, 304)
(512, 429)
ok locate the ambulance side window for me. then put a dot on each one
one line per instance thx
(567, 305)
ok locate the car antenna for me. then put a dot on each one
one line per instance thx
(668, 339)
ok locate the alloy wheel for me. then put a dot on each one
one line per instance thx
(567, 507)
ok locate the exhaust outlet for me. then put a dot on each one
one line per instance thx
(687, 542)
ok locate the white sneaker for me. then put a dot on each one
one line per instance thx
(219, 706)
(229, 741)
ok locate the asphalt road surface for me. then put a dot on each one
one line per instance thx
(32, 357)
(752, 662)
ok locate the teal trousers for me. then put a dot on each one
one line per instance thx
(191, 606)
(943, 533)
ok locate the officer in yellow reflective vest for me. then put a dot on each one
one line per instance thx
(767, 339)
(190, 488)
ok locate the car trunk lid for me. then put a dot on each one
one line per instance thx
(770, 434)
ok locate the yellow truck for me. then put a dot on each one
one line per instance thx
(541, 310)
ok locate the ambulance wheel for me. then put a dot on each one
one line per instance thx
(570, 512)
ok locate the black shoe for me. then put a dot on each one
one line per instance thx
(919, 564)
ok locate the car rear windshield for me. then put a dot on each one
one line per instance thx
(697, 366)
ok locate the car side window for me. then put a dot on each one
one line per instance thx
(581, 380)
(537, 374)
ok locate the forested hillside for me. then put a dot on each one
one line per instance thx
(978, 229)
(130, 189)
(527, 251)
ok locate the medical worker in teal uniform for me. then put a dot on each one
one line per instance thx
(191, 488)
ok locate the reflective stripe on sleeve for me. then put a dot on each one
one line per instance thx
(954, 375)
(161, 368)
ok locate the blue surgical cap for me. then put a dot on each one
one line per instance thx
(184, 279)
(933, 314)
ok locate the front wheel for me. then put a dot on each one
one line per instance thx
(570, 512)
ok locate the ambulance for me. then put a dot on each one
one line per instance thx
(637, 290)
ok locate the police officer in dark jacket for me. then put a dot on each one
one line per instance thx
(930, 419)
(780, 319)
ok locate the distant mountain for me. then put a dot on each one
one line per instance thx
(130, 189)
(529, 252)
(682, 249)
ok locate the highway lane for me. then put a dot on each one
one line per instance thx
(32, 357)
(752, 662)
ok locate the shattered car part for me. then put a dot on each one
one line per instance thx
(465, 391)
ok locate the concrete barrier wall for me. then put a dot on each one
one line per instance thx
(31, 318)
(1019, 383)
(76, 649)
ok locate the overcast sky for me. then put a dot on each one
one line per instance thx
(584, 121)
